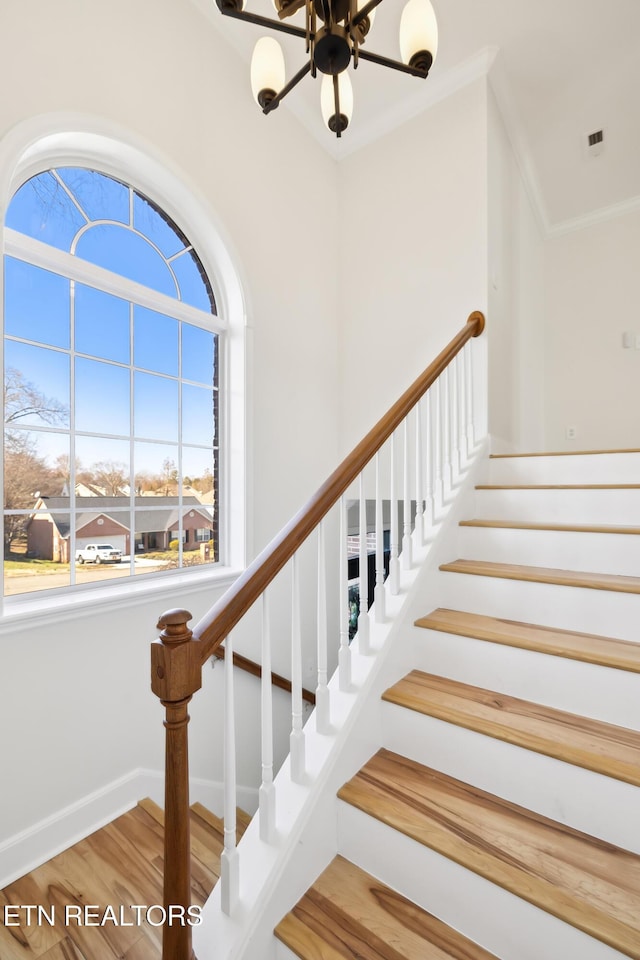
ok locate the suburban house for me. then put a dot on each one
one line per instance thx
(341, 268)
(108, 518)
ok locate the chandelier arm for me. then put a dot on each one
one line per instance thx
(264, 21)
(393, 64)
(288, 87)
(364, 12)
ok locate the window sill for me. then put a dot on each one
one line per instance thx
(25, 612)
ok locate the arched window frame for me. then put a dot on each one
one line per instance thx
(45, 143)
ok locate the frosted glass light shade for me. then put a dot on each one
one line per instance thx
(267, 67)
(418, 30)
(327, 100)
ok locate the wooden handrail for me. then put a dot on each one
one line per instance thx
(232, 606)
(178, 654)
(250, 666)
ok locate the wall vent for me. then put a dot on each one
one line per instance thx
(595, 143)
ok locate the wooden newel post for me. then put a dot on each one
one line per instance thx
(175, 676)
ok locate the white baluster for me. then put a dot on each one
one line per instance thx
(445, 434)
(437, 443)
(363, 575)
(471, 439)
(322, 690)
(406, 513)
(429, 504)
(344, 654)
(394, 563)
(296, 739)
(229, 865)
(379, 594)
(419, 523)
(462, 425)
(453, 419)
(267, 793)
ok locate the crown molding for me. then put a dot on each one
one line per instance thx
(594, 217)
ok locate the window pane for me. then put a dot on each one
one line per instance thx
(36, 303)
(101, 324)
(102, 540)
(36, 385)
(197, 535)
(35, 465)
(117, 249)
(155, 341)
(102, 467)
(198, 349)
(43, 209)
(197, 414)
(160, 230)
(102, 397)
(156, 469)
(192, 280)
(197, 473)
(38, 559)
(101, 197)
(155, 407)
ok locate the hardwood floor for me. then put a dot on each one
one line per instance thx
(118, 865)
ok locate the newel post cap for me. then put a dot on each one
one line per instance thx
(173, 624)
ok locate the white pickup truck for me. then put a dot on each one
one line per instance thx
(98, 553)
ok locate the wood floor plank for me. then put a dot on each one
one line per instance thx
(588, 647)
(349, 914)
(557, 527)
(566, 578)
(117, 865)
(607, 749)
(582, 880)
(64, 950)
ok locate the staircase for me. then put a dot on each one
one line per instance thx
(500, 816)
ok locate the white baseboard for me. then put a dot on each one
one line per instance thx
(32, 847)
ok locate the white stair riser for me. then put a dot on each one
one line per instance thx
(590, 468)
(569, 794)
(502, 923)
(604, 552)
(560, 506)
(583, 688)
(585, 610)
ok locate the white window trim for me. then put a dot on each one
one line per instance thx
(46, 142)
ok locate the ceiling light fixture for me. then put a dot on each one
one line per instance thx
(334, 32)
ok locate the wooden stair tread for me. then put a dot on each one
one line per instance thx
(567, 578)
(557, 486)
(349, 915)
(603, 747)
(560, 453)
(588, 647)
(584, 881)
(559, 527)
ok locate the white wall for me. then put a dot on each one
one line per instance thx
(76, 692)
(413, 251)
(516, 296)
(592, 292)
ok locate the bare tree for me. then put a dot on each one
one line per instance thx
(112, 476)
(25, 471)
(23, 399)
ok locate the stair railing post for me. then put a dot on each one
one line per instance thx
(175, 676)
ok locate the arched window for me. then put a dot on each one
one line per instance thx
(111, 402)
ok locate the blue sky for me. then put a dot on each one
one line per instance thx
(126, 361)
